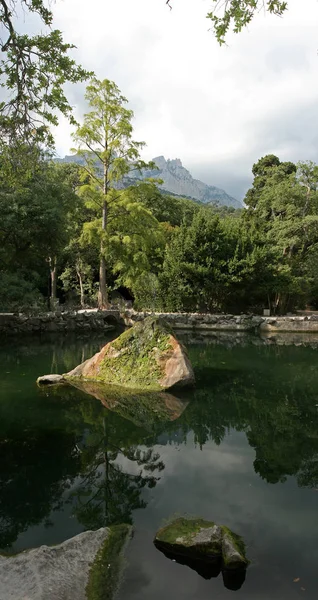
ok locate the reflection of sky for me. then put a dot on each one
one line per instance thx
(278, 522)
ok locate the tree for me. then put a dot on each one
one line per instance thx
(194, 268)
(109, 152)
(166, 208)
(61, 186)
(266, 167)
(35, 205)
(78, 274)
(33, 69)
(283, 209)
(254, 272)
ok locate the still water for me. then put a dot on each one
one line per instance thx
(244, 452)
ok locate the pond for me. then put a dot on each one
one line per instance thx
(244, 453)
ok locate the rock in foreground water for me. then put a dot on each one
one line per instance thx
(76, 569)
(148, 356)
(202, 541)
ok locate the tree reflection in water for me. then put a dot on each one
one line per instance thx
(112, 477)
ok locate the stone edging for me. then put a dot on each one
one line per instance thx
(62, 322)
(103, 320)
(209, 322)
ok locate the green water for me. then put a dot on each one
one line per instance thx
(244, 453)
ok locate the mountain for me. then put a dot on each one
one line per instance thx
(176, 180)
(179, 181)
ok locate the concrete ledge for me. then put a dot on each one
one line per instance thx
(290, 324)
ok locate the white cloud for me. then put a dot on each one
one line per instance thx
(218, 109)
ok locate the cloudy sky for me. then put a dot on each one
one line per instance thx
(217, 109)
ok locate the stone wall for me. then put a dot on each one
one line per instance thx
(95, 320)
(199, 320)
(303, 324)
(62, 322)
(252, 323)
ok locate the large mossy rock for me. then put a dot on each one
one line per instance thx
(86, 567)
(147, 357)
(202, 541)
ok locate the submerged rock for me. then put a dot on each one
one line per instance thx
(232, 579)
(75, 569)
(202, 541)
(147, 357)
(145, 409)
(205, 569)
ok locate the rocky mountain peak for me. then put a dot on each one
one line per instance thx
(171, 163)
(160, 162)
(175, 162)
(178, 180)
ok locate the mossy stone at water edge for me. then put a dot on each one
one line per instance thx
(148, 356)
(202, 540)
(86, 567)
(105, 573)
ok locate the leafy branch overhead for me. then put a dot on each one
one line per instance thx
(234, 15)
(237, 14)
(33, 70)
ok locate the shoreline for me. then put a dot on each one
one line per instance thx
(93, 320)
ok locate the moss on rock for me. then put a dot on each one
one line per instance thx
(146, 357)
(105, 572)
(67, 569)
(202, 540)
(195, 537)
(233, 550)
(182, 527)
(136, 354)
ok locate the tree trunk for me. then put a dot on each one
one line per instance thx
(102, 294)
(53, 274)
(277, 302)
(308, 190)
(80, 280)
